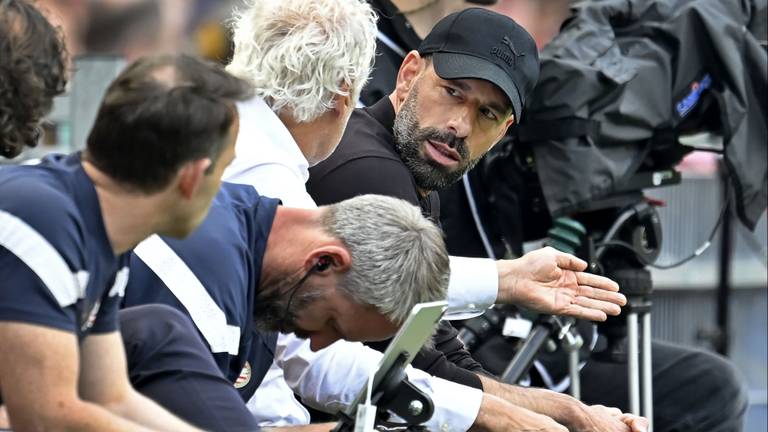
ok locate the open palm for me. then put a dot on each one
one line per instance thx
(552, 282)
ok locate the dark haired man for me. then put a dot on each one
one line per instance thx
(162, 138)
(454, 99)
(32, 72)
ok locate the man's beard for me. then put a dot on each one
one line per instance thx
(409, 138)
(269, 310)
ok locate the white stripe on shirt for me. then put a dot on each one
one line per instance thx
(182, 282)
(42, 258)
(121, 281)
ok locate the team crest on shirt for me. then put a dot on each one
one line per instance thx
(245, 376)
(90, 316)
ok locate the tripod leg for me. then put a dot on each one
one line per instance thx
(647, 372)
(573, 369)
(523, 360)
(632, 363)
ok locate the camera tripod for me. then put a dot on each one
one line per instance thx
(634, 237)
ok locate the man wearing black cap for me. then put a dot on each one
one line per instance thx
(402, 25)
(454, 99)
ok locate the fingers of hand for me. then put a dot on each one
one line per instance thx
(636, 423)
(603, 295)
(604, 306)
(580, 312)
(570, 262)
(596, 281)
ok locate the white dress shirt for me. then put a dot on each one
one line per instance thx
(268, 158)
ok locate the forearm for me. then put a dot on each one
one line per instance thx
(507, 271)
(560, 407)
(499, 415)
(72, 416)
(489, 418)
(146, 412)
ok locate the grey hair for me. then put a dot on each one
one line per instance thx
(299, 54)
(399, 257)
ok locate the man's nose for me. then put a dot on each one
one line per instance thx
(459, 122)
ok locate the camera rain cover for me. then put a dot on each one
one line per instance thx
(624, 79)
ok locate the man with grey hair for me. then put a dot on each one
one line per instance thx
(314, 272)
(307, 62)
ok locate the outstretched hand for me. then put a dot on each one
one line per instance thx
(553, 282)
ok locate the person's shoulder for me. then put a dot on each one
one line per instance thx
(38, 196)
(241, 196)
(365, 141)
(38, 212)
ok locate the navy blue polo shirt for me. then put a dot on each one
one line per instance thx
(212, 276)
(57, 267)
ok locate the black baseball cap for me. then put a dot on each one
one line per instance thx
(479, 43)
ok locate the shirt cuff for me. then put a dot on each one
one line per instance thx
(473, 287)
(456, 405)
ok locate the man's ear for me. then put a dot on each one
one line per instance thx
(191, 176)
(329, 257)
(509, 122)
(341, 103)
(410, 70)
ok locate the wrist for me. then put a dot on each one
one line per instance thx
(560, 407)
(489, 417)
(563, 408)
(508, 281)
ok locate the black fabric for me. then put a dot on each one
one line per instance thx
(482, 44)
(693, 390)
(170, 364)
(396, 28)
(639, 67)
(366, 162)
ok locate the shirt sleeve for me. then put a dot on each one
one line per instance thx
(273, 404)
(473, 287)
(107, 319)
(450, 359)
(331, 378)
(40, 252)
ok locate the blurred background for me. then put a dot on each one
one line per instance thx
(103, 35)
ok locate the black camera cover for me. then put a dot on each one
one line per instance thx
(624, 79)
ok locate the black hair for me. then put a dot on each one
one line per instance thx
(160, 113)
(32, 71)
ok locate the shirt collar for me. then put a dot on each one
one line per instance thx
(258, 119)
(383, 112)
(84, 192)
